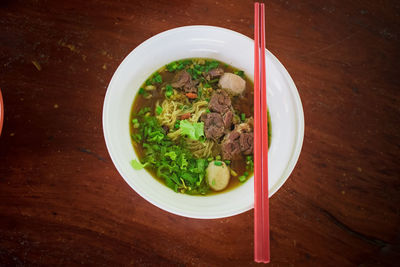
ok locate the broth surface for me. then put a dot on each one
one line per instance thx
(242, 104)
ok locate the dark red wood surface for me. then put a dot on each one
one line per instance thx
(62, 202)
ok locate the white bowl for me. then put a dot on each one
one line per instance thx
(208, 42)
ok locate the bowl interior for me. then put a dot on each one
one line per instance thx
(208, 42)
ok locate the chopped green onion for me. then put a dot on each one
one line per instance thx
(172, 66)
(227, 162)
(169, 93)
(177, 124)
(210, 159)
(137, 137)
(217, 163)
(242, 178)
(141, 91)
(156, 78)
(243, 117)
(240, 73)
(218, 157)
(159, 110)
(135, 121)
(214, 81)
(208, 111)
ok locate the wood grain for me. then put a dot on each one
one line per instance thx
(62, 202)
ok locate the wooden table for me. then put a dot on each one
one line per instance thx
(62, 202)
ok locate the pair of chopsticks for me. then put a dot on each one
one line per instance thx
(261, 198)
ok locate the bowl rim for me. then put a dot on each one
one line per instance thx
(298, 108)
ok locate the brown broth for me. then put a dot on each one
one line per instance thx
(241, 104)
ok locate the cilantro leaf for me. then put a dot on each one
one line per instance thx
(192, 130)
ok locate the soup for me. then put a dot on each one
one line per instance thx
(192, 127)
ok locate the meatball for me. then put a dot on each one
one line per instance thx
(232, 83)
(218, 175)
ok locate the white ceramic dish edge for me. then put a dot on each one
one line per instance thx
(293, 158)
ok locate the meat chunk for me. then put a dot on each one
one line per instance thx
(244, 127)
(214, 73)
(246, 141)
(233, 83)
(213, 125)
(250, 122)
(231, 146)
(239, 141)
(228, 117)
(220, 102)
(221, 106)
(181, 79)
(184, 81)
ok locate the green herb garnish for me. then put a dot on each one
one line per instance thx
(171, 161)
(171, 155)
(240, 73)
(159, 110)
(156, 78)
(192, 130)
(177, 124)
(137, 165)
(169, 91)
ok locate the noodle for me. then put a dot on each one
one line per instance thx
(200, 149)
(172, 109)
(175, 135)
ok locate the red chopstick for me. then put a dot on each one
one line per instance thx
(261, 198)
(258, 229)
(264, 121)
